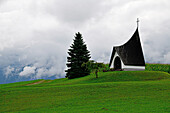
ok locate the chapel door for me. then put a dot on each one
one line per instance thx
(117, 64)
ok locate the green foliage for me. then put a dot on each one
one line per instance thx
(105, 68)
(119, 92)
(158, 67)
(92, 65)
(78, 54)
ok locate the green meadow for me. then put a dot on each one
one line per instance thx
(114, 92)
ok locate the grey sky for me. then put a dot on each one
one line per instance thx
(36, 34)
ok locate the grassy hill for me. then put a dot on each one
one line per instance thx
(138, 91)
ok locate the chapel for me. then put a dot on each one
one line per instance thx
(129, 56)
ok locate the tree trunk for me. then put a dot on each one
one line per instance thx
(96, 73)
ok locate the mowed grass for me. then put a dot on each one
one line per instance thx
(130, 92)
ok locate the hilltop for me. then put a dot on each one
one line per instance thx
(146, 91)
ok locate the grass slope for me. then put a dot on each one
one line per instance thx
(112, 92)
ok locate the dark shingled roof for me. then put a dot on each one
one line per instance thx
(130, 52)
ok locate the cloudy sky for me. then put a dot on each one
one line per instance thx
(35, 34)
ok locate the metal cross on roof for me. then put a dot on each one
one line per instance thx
(137, 22)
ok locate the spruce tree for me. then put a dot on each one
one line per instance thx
(78, 54)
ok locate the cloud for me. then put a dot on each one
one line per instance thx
(9, 70)
(118, 25)
(167, 57)
(27, 71)
(77, 11)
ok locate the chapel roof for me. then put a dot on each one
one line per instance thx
(130, 52)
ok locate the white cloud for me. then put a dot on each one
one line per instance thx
(27, 71)
(8, 71)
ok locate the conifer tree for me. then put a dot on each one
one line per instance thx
(78, 54)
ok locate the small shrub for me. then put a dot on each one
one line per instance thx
(158, 67)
